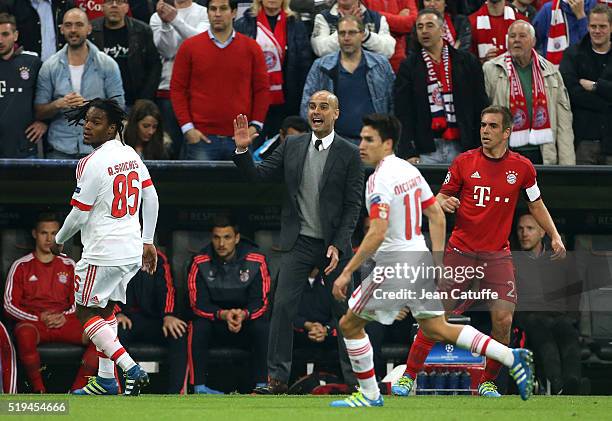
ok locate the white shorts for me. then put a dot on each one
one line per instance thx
(358, 305)
(94, 285)
(382, 295)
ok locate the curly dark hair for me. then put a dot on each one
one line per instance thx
(153, 149)
(115, 114)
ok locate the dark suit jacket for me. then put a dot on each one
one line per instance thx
(340, 190)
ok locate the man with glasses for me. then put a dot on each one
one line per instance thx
(362, 81)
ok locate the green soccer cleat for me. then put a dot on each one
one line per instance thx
(488, 390)
(357, 400)
(403, 386)
(98, 386)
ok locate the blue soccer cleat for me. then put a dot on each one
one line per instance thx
(522, 372)
(403, 386)
(98, 386)
(135, 379)
(488, 390)
(357, 400)
(202, 389)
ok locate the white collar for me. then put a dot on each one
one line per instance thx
(327, 140)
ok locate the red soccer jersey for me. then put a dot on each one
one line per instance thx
(33, 287)
(488, 190)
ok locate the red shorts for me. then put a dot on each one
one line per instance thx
(491, 275)
(70, 333)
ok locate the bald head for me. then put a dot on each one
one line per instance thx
(75, 28)
(329, 97)
(77, 13)
(322, 113)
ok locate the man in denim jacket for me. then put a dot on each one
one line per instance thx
(78, 72)
(362, 80)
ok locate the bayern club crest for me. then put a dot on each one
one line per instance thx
(271, 61)
(540, 117)
(436, 97)
(62, 277)
(519, 119)
(511, 177)
(244, 275)
(24, 73)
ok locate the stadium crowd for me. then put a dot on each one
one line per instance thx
(185, 69)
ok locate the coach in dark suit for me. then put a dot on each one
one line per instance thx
(324, 179)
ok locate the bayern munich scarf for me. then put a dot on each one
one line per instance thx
(440, 95)
(449, 33)
(273, 45)
(486, 40)
(557, 34)
(524, 132)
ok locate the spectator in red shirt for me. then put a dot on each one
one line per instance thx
(490, 26)
(39, 294)
(217, 75)
(8, 362)
(401, 16)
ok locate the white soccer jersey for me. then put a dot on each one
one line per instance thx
(397, 191)
(109, 186)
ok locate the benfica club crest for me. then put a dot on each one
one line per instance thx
(244, 275)
(62, 277)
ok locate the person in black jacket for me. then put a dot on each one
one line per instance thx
(437, 127)
(150, 316)
(586, 68)
(130, 42)
(273, 17)
(457, 30)
(31, 28)
(228, 287)
(323, 175)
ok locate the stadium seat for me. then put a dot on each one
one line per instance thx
(594, 257)
(58, 353)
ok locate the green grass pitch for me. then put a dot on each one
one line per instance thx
(314, 408)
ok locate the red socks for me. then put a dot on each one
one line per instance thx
(418, 354)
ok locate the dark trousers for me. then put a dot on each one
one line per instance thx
(554, 339)
(208, 333)
(296, 264)
(149, 330)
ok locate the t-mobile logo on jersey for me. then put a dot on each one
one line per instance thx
(482, 194)
(4, 89)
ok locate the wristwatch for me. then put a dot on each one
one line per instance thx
(594, 87)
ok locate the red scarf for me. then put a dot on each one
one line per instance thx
(557, 34)
(524, 132)
(440, 94)
(450, 34)
(273, 45)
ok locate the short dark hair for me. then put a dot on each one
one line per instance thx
(295, 122)
(222, 221)
(451, 6)
(352, 18)
(115, 114)
(387, 126)
(45, 217)
(430, 11)
(505, 113)
(601, 9)
(233, 4)
(7, 18)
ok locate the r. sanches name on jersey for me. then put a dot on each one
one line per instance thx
(124, 166)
